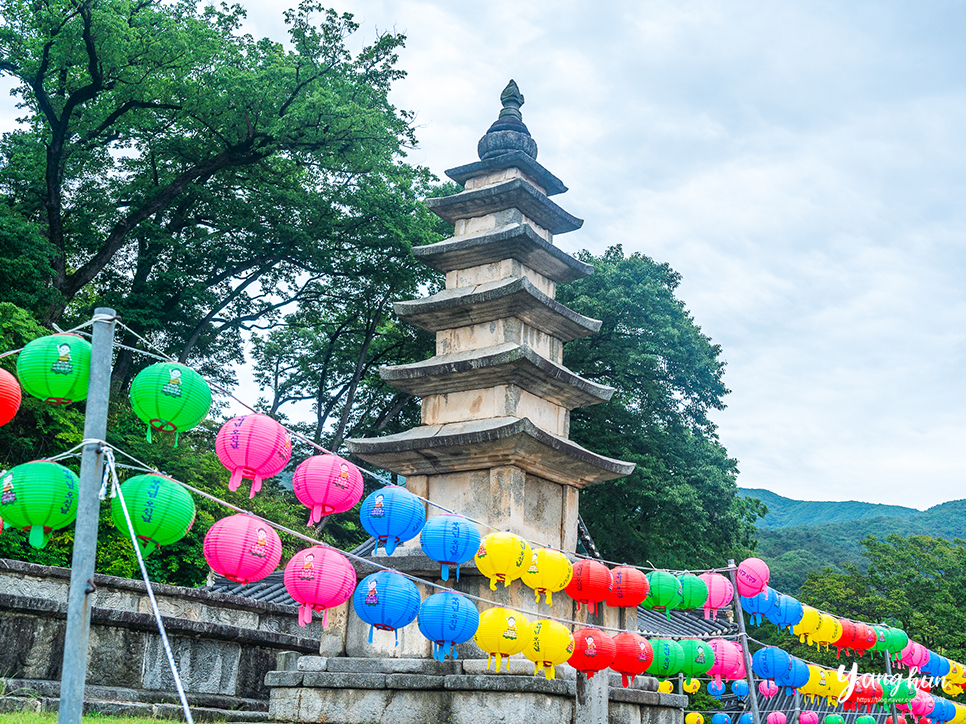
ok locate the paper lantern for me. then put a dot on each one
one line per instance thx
(914, 655)
(786, 612)
(690, 686)
(549, 572)
(170, 397)
(720, 593)
(720, 718)
(447, 618)
(922, 704)
(548, 645)
(252, 446)
(943, 711)
(327, 484)
(833, 719)
(665, 687)
(829, 630)
(776, 717)
(694, 592)
(632, 657)
(593, 651)
(865, 720)
(881, 638)
(242, 548)
(856, 636)
(664, 591)
(630, 588)
(698, 657)
(161, 511)
(897, 692)
(739, 688)
(503, 557)
(319, 578)
(768, 689)
(668, 658)
(738, 672)
(39, 497)
(716, 689)
(808, 717)
(55, 368)
(693, 717)
(865, 693)
(726, 660)
(759, 605)
(9, 397)
(806, 627)
(392, 515)
(936, 666)
(898, 640)
(770, 662)
(387, 601)
(746, 718)
(449, 540)
(591, 584)
(752, 576)
(900, 720)
(502, 632)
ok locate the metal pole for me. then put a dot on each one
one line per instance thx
(85, 529)
(740, 615)
(892, 706)
(798, 707)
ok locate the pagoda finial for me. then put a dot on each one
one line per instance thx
(508, 133)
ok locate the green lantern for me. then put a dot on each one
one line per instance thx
(170, 397)
(865, 719)
(881, 638)
(898, 640)
(664, 591)
(668, 658)
(161, 511)
(56, 368)
(897, 692)
(694, 592)
(40, 496)
(698, 657)
(833, 719)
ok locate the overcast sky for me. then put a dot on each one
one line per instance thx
(801, 164)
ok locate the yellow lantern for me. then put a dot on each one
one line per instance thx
(691, 685)
(503, 557)
(835, 687)
(549, 644)
(549, 572)
(829, 629)
(952, 688)
(957, 673)
(960, 716)
(806, 627)
(693, 718)
(666, 687)
(502, 632)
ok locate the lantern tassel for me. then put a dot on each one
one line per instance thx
(549, 598)
(457, 572)
(149, 434)
(38, 536)
(444, 572)
(390, 545)
(316, 515)
(256, 486)
(235, 480)
(370, 633)
(325, 618)
(176, 432)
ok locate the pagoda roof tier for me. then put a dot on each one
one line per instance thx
(482, 444)
(513, 297)
(504, 364)
(511, 159)
(516, 193)
(512, 241)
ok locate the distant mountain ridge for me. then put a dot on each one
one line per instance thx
(784, 512)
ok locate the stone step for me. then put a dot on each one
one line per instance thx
(37, 704)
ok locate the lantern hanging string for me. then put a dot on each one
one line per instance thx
(116, 491)
(144, 467)
(379, 478)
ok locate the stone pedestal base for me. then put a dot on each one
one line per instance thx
(424, 691)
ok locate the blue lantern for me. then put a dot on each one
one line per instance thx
(739, 688)
(451, 540)
(794, 676)
(937, 666)
(758, 606)
(770, 662)
(746, 718)
(716, 689)
(387, 601)
(721, 718)
(447, 619)
(786, 612)
(392, 515)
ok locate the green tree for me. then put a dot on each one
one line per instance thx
(680, 507)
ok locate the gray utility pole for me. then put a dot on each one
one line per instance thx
(895, 714)
(740, 615)
(85, 531)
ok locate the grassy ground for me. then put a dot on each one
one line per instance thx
(32, 718)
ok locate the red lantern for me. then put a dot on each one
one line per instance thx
(242, 548)
(902, 720)
(865, 694)
(591, 584)
(632, 657)
(848, 638)
(865, 638)
(9, 397)
(593, 650)
(630, 588)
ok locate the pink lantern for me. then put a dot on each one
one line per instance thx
(242, 548)
(776, 717)
(720, 593)
(769, 689)
(319, 578)
(726, 660)
(922, 704)
(752, 577)
(810, 717)
(252, 446)
(738, 672)
(327, 484)
(914, 656)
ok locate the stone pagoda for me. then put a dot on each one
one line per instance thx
(496, 398)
